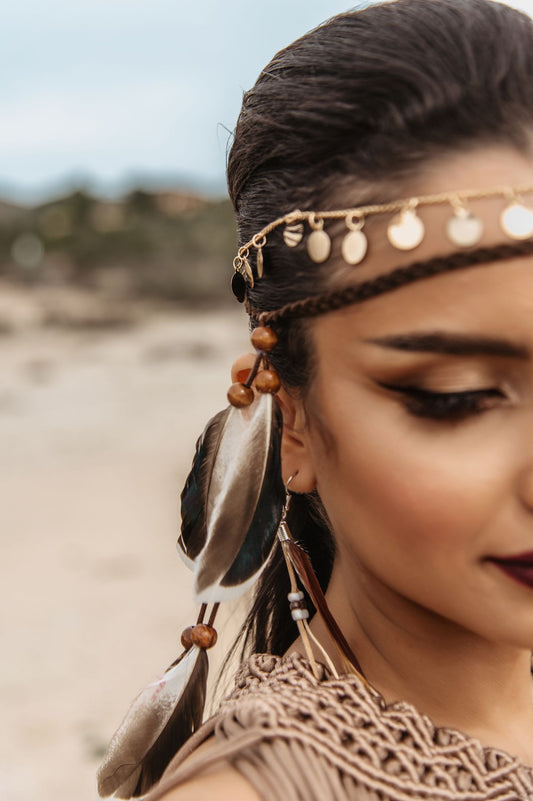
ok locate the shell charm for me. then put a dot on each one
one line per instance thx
(293, 234)
(464, 229)
(406, 231)
(517, 221)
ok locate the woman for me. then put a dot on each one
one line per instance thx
(407, 403)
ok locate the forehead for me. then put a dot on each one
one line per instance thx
(496, 299)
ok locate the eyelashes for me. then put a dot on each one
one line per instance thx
(448, 406)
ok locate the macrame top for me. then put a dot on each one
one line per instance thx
(296, 738)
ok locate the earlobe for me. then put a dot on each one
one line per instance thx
(295, 452)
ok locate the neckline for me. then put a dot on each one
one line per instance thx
(393, 707)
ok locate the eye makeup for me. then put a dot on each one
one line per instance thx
(446, 406)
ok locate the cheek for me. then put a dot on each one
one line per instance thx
(418, 498)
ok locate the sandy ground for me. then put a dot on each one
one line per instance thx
(97, 431)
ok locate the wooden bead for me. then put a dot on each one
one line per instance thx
(264, 338)
(267, 381)
(240, 395)
(186, 637)
(203, 636)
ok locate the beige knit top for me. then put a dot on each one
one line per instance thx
(296, 738)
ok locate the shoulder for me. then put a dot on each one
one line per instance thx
(224, 785)
(219, 781)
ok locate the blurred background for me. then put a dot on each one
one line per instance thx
(117, 333)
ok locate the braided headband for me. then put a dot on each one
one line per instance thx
(337, 299)
(405, 232)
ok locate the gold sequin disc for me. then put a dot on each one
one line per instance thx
(354, 247)
(406, 230)
(318, 246)
(517, 221)
(464, 229)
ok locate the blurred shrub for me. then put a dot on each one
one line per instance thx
(168, 245)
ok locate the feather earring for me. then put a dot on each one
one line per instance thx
(231, 508)
(298, 562)
(160, 720)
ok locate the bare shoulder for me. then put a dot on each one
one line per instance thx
(219, 781)
(224, 784)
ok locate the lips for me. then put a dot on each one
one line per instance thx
(519, 567)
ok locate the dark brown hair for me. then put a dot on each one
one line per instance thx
(348, 114)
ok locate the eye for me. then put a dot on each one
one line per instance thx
(452, 406)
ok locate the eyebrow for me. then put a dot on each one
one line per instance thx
(454, 344)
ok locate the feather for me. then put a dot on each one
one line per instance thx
(232, 500)
(193, 497)
(302, 565)
(160, 720)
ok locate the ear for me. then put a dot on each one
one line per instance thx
(242, 367)
(295, 451)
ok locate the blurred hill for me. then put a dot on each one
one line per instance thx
(165, 246)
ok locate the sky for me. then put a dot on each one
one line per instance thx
(109, 94)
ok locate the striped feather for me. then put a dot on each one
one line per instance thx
(160, 720)
(232, 501)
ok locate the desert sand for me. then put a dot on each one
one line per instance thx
(97, 432)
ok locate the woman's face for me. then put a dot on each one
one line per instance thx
(419, 425)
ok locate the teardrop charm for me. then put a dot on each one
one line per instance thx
(248, 271)
(293, 234)
(259, 262)
(464, 229)
(318, 246)
(517, 221)
(354, 247)
(238, 286)
(406, 231)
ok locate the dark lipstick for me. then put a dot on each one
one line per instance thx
(518, 567)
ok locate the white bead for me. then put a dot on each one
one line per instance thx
(299, 614)
(295, 596)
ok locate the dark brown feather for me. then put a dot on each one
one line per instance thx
(194, 494)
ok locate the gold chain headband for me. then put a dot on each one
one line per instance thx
(405, 231)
